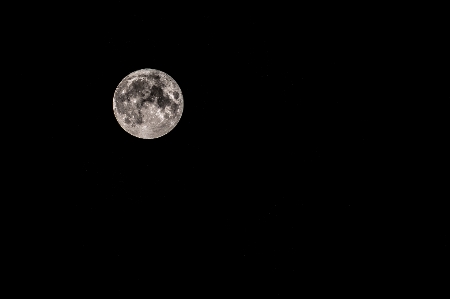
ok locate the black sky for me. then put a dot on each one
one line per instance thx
(274, 170)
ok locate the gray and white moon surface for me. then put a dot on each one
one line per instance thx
(148, 103)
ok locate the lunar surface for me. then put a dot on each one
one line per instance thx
(148, 103)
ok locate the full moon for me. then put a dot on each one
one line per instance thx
(148, 103)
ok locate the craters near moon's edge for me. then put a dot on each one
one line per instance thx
(144, 90)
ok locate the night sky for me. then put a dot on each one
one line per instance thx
(272, 180)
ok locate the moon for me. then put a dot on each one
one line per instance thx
(148, 103)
